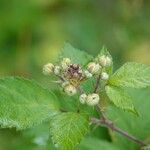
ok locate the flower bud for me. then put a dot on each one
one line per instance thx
(83, 98)
(70, 90)
(93, 67)
(65, 83)
(87, 74)
(92, 99)
(48, 69)
(57, 70)
(65, 63)
(105, 61)
(104, 76)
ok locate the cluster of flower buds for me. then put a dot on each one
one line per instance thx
(72, 75)
(97, 67)
(90, 99)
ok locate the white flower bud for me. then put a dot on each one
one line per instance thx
(70, 90)
(92, 99)
(105, 61)
(48, 69)
(57, 70)
(87, 74)
(65, 84)
(65, 63)
(104, 76)
(93, 67)
(83, 98)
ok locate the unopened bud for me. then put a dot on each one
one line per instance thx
(92, 99)
(93, 67)
(104, 76)
(87, 74)
(70, 90)
(48, 69)
(57, 70)
(65, 83)
(65, 63)
(83, 98)
(105, 61)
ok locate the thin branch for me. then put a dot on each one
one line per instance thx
(97, 84)
(109, 124)
(61, 78)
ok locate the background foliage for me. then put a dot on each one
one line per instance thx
(32, 33)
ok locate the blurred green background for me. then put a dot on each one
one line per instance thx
(32, 32)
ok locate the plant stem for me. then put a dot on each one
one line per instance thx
(109, 124)
(103, 121)
(97, 84)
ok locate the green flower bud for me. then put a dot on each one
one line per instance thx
(70, 90)
(104, 76)
(93, 67)
(105, 61)
(92, 99)
(48, 69)
(83, 98)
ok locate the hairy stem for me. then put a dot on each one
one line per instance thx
(109, 124)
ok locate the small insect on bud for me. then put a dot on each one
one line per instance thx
(104, 76)
(105, 61)
(65, 63)
(57, 70)
(92, 99)
(87, 74)
(93, 67)
(48, 69)
(70, 90)
(83, 98)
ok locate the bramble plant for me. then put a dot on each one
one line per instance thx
(87, 87)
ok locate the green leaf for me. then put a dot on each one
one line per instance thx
(134, 75)
(95, 144)
(136, 126)
(104, 51)
(77, 56)
(147, 148)
(23, 103)
(120, 98)
(67, 129)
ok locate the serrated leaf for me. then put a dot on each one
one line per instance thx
(77, 56)
(23, 103)
(67, 129)
(136, 126)
(134, 75)
(104, 51)
(120, 98)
